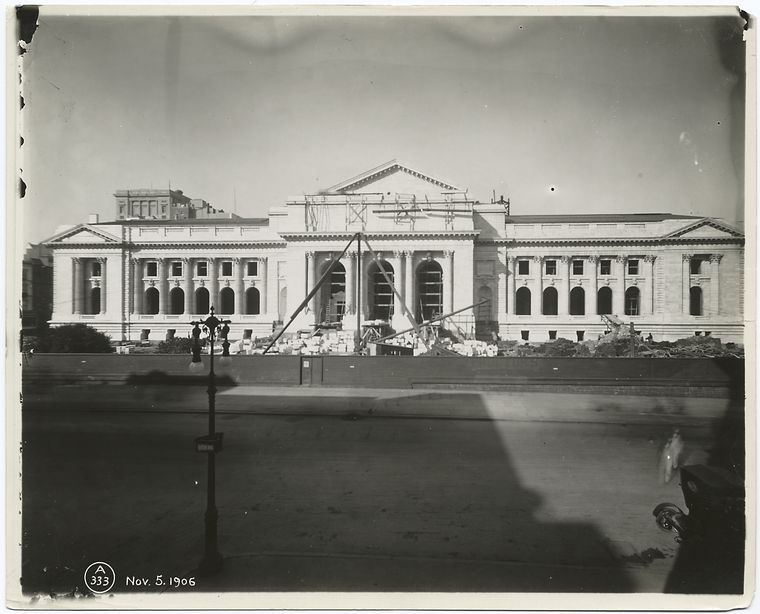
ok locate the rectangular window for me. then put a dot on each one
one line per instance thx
(696, 266)
(633, 267)
(524, 334)
(253, 268)
(577, 267)
(523, 267)
(580, 334)
(552, 335)
(177, 269)
(605, 267)
(226, 269)
(201, 269)
(96, 269)
(151, 270)
(551, 267)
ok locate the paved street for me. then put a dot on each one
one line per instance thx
(362, 500)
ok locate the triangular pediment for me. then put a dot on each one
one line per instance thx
(392, 177)
(707, 228)
(83, 233)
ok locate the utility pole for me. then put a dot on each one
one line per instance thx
(358, 334)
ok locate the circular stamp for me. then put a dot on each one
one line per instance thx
(99, 577)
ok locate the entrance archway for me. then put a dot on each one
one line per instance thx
(332, 294)
(429, 290)
(379, 292)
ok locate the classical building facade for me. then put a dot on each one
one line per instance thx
(544, 276)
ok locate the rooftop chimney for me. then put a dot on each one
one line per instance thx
(94, 218)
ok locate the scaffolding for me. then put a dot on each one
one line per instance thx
(317, 212)
(356, 212)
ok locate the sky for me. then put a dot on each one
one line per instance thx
(559, 114)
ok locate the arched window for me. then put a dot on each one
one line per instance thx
(550, 301)
(604, 301)
(177, 301)
(379, 292)
(151, 301)
(95, 300)
(227, 301)
(485, 311)
(522, 302)
(332, 295)
(429, 290)
(695, 301)
(252, 301)
(577, 301)
(632, 301)
(202, 306)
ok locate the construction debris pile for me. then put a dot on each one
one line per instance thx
(690, 347)
(307, 344)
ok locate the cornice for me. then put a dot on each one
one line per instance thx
(176, 244)
(621, 241)
(342, 235)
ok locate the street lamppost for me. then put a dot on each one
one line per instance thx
(211, 443)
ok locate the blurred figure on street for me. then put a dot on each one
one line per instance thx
(671, 456)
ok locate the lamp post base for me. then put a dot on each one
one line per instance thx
(211, 564)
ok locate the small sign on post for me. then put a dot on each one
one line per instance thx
(209, 443)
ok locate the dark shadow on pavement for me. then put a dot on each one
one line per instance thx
(711, 558)
(346, 502)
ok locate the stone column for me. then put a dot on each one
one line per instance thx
(686, 282)
(715, 284)
(213, 284)
(593, 286)
(78, 288)
(163, 286)
(536, 297)
(398, 310)
(263, 290)
(647, 299)
(103, 268)
(563, 308)
(311, 267)
(510, 297)
(137, 286)
(618, 295)
(350, 283)
(363, 264)
(238, 270)
(409, 281)
(448, 281)
(187, 286)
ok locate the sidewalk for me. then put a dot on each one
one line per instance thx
(360, 403)
(289, 572)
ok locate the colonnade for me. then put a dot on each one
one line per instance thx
(190, 281)
(618, 280)
(85, 281)
(402, 271)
